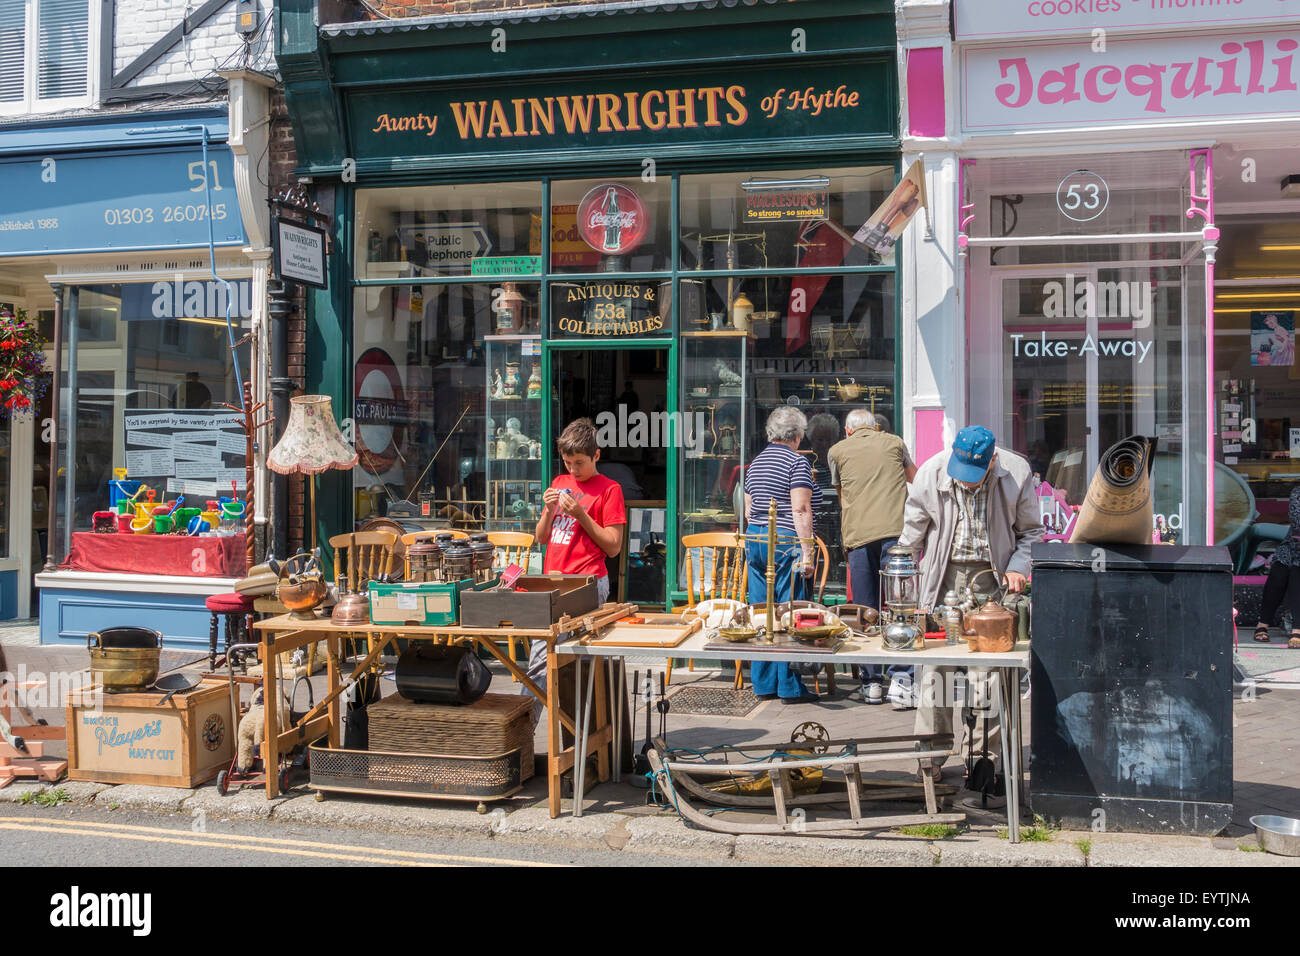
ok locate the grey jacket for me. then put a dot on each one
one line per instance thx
(930, 519)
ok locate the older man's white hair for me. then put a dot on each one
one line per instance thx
(860, 418)
(786, 423)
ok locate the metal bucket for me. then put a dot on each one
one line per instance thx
(124, 659)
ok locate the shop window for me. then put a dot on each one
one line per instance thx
(461, 230)
(422, 392)
(779, 219)
(142, 398)
(611, 225)
(46, 58)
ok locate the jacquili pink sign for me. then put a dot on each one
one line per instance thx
(1002, 19)
(1064, 84)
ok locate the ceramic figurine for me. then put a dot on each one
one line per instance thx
(729, 382)
(535, 382)
(512, 381)
(497, 385)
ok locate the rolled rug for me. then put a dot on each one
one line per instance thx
(1117, 509)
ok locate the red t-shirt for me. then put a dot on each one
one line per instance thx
(570, 549)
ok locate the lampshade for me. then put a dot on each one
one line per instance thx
(312, 442)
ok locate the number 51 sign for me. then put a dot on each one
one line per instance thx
(1082, 196)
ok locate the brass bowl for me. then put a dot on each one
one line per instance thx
(301, 598)
(738, 635)
(817, 636)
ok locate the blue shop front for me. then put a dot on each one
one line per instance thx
(122, 240)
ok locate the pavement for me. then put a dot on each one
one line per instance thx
(617, 825)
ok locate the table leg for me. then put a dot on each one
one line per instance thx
(332, 683)
(553, 730)
(271, 704)
(583, 703)
(1010, 758)
(618, 678)
(604, 720)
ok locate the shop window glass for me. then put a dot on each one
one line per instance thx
(420, 387)
(460, 230)
(779, 219)
(145, 392)
(611, 225)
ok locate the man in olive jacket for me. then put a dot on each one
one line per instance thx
(969, 509)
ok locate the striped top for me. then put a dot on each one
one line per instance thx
(773, 472)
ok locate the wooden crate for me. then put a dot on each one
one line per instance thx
(495, 724)
(130, 739)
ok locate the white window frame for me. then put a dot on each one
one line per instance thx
(33, 104)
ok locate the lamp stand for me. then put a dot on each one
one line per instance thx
(311, 484)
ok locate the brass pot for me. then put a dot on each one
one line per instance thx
(352, 610)
(124, 659)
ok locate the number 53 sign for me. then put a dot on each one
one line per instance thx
(1082, 196)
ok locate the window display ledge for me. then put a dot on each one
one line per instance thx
(151, 583)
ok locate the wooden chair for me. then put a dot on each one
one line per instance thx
(822, 570)
(517, 546)
(724, 573)
(360, 557)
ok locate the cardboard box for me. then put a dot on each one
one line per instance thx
(130, 739)
(539, 600)
(417, 602)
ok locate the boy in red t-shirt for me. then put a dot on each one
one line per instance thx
(581, 524)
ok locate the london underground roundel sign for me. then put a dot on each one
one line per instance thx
(612, 219)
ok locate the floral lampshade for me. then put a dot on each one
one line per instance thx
(312, 443)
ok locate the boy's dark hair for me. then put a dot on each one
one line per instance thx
(578, 438)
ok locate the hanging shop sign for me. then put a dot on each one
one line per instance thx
(300, 253)
(786, 204)
(122, 202)
(611, 309)
(1134, 81)
(891, 217)
(718, 105)
(612, 219)
(1027, 18)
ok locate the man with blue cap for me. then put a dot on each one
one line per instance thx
(969, 509)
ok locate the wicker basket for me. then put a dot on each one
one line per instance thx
(477, 752)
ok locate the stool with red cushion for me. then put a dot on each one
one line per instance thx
(238, 611)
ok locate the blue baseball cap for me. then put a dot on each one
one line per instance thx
(972, 450)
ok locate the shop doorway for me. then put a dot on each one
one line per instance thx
(1083, 355)
(622, 390)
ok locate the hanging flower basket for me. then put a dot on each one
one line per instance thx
(22, 364)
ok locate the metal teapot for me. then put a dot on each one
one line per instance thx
(991, 628)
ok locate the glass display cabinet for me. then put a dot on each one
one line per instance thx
(714, 382)
(514, 431)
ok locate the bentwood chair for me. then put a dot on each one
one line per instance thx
(517, 546)
(361, 557)
(715, 568)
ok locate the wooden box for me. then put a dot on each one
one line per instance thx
(539, 600)
(130, 739)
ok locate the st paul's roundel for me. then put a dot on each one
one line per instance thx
(379, 411)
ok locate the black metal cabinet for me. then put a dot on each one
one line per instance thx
(1131, 711)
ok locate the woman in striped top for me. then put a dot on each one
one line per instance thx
(779, 473)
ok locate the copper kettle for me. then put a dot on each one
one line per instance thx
(990, 629)
(301, 585)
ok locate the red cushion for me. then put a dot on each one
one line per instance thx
(232, 602)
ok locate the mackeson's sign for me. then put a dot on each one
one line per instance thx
(825, 100)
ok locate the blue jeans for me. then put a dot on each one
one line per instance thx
(773, 677)
(864, 583)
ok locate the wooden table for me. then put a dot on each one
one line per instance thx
(285, 633)
(1009, 665)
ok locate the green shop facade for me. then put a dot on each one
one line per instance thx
(644, 217)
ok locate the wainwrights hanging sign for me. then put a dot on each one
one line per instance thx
(699, 107)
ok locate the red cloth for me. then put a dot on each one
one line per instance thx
(571, 550)
(223, 557)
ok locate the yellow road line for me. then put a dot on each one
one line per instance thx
(265, 844)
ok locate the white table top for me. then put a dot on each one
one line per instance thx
(852, 651)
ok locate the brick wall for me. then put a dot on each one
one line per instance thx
(139, 24)
(282, 160)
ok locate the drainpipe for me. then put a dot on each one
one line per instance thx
(51, 501)
(279, 308)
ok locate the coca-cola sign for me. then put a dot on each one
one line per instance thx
(612, 219)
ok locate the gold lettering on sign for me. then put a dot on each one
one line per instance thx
(386, 123)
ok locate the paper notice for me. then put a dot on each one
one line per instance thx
(147, 420)
(149, 464)
(1295, 443)
(1232, 448)
(191, 452)
(232, 444)
(199, 489)
(1230, 460)
(1231, 407)
(201, 470)
(149, 439)
(204, 436)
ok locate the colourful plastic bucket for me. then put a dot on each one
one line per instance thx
(120, 489)
(197, 525)
(163, 524)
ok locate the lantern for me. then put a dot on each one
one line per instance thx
(900, 582)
